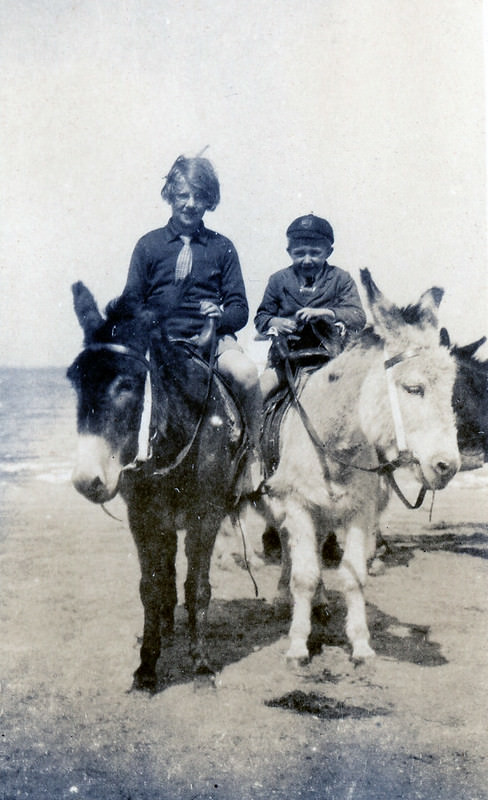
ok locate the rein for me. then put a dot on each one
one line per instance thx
(384, 468)
(186, 449)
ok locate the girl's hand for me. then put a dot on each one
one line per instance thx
(209, 309)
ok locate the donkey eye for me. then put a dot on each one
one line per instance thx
(126, 385)
(414, 388)
(121, 385)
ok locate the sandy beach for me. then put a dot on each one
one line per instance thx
(412, 724)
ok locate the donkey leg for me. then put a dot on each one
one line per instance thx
(353, 571)
(304, 577)
(284, 597)
(200, 539)
(157, 552)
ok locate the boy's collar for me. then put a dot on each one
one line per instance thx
(320, 273)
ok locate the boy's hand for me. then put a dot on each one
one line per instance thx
(283, 325)
(307, 314)
(209, 309)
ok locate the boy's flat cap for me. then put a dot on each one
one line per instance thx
(310, 227)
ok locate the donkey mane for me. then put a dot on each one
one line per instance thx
(412, 314)
(124, 319)
(415, 314)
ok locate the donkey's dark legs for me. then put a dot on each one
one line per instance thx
(156, 548)
(200, 539)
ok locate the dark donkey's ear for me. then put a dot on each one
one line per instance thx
(86, 309)
(468, 350)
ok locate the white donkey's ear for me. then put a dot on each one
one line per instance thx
(86, 309)
(386, 315)
(428, 304)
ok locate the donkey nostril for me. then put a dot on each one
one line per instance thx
(92, 488)
(445, 467)
(96, 489)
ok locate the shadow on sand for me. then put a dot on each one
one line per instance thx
(462, 539)
(238, 628)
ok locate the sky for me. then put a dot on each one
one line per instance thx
(371, 114)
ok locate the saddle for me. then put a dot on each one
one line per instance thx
(294, 364)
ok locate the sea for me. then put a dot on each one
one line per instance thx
(38, 429)
(37, 425)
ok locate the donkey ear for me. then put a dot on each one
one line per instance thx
(367, 280)
(428, 304)
(86, 309)
(444, 338)
(469, 350)
(386, 315)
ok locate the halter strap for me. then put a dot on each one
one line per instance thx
(120, 349)
(385, 468)
(390, 362)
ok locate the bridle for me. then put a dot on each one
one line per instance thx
(120, 349)
(131, 352)
(385, 467)
(207, 339)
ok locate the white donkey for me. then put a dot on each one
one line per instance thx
(382, 403)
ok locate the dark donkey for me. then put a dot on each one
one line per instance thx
(470, 401)
(196, 439)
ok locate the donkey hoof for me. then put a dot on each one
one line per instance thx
(297, 656)
(293, 664)
(144, 680)
(377, 567)
(362, 652)
(203, 675)
(202, 668)
(204, 681)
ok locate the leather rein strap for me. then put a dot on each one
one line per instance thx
(186, 449)
(384, 468)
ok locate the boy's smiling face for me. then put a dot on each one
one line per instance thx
(309, 255)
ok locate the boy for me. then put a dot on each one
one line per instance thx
(308, 291)
(186, 249)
